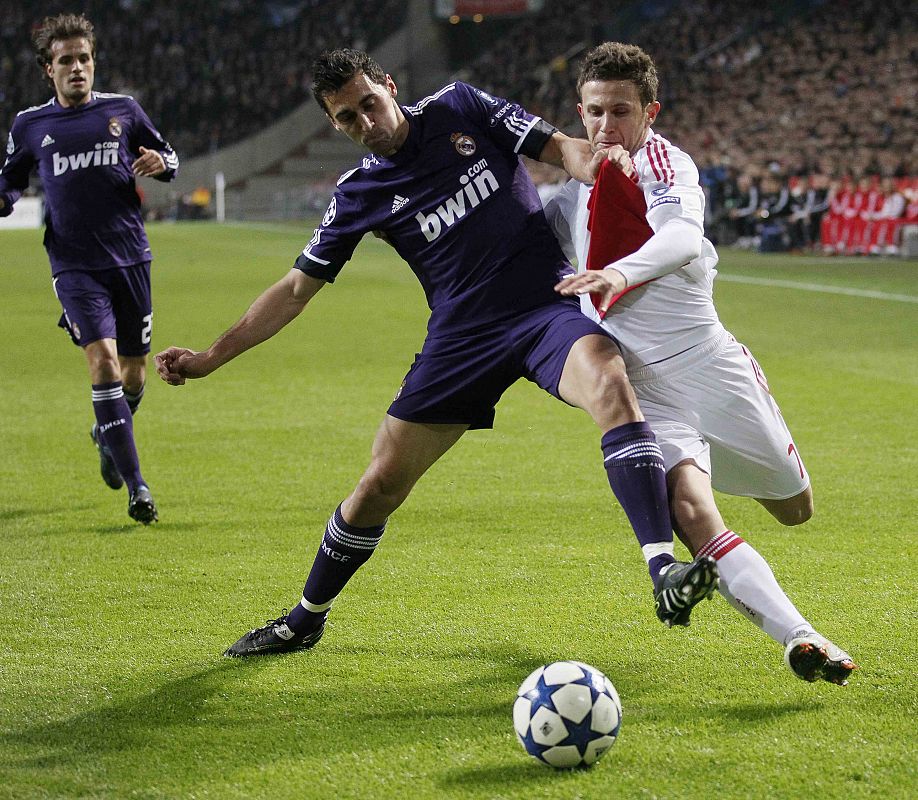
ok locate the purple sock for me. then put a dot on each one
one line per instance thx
(116, 429)
(343, 551)
(637, 475)
(133, 399)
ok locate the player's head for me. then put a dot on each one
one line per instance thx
(65, 48)
(359, 99)
(617, 86)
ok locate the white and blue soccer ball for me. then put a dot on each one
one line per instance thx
(567, 714)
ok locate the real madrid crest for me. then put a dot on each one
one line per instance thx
(114, 127)
(465, 145)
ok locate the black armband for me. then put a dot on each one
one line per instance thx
(537, 138)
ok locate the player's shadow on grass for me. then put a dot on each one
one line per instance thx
(11, 514)
(121, 726)
(169, 526)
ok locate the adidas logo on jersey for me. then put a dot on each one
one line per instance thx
(47, 140)
(398, 202)
(105, 153)
(478, 184)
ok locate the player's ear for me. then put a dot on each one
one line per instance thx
(652, 110)
(580, 111)
(390, 85)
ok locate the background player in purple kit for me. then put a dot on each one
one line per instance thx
(444, 183)
(89, 147)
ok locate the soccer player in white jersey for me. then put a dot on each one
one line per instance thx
(702, 392)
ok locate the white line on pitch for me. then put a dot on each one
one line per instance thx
(819, 287)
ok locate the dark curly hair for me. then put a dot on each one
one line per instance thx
(63, 26)
(334, 68)
(615, 61)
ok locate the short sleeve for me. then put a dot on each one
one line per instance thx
(510, 126)
(669, 179)
(334, 240)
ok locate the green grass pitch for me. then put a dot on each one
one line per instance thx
(510, 553)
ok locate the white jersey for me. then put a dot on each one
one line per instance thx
(701, 391)
(676, 311)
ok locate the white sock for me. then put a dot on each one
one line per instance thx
(749, 585)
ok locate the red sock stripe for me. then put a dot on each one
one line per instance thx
(720, 545)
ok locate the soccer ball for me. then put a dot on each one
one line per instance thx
(567, 714)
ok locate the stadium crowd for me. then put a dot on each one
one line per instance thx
(792, 110)
(210, 72)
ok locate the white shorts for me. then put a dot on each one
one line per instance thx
(711, 405)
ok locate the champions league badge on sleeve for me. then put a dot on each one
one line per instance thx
(465, 145)
(10, 147)
(330, 213)
(114, 127)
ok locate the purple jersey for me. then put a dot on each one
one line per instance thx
(458, 205)
(84, 156)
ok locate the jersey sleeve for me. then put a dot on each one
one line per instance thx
(14, 175)
(336, 238)
(669, 179)
(145, 135)
(675, 213)
(509, 124)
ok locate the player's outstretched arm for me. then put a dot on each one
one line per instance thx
(273, 309)
(577, 159)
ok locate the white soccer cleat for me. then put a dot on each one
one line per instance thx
(813, 657)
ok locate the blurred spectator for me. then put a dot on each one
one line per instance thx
(883, 235)
(774, 210)
(744, 212)
(195, 205)
(808, 206)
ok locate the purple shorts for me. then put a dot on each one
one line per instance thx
(459, 379)
(107, 304)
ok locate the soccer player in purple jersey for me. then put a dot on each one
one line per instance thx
(89, 147)
(444, 183)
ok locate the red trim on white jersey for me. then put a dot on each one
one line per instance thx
(658, 156)
(720, 545)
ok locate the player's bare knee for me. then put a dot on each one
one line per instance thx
(104, 369)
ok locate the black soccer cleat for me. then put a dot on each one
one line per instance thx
(274, 637)
(682, 587)
(107, 467)
(813, 657)
(141, 506)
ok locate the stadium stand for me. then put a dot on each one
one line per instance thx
(799, 100)
(210, 72)
(784, 97)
